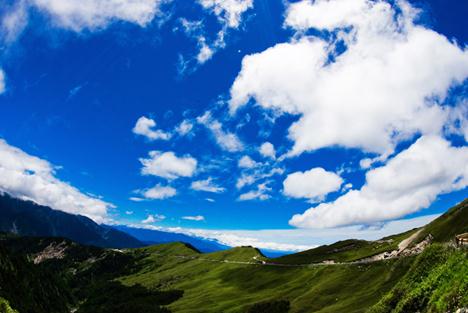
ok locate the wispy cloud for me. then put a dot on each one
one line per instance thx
(207, 185)
(196, 218)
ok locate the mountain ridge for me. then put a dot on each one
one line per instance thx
(30, 219)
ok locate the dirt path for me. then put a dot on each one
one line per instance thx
(406, 242)
(403, 245)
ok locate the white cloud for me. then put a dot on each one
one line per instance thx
(2, 81)
(129, 212)
(184, 128)
(409, 182)
(78, 16)
(145, 127)
(459, 119)
(207, 185)
(159, 192)
(196, 218)
(298, 239)
(97, 14)
(325, 14)
(168, 165)
(385, 87)
(313, 184)
(206, 52)
(247, 162)
(28, 177)
(246, 179)
(13, 21)
(195, 30)
(153, 218)
(226, 140)
(229, 12)
(347, 186)
(260, 193)
(267, 150)
(136, 199)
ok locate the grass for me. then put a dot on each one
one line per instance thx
(437, 282)
(345, 251)
(451, 223)
(178, 278)
(5, 307)
(226, 287)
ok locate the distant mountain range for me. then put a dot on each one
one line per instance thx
(27, 218)
(152, 237)
(422, 270)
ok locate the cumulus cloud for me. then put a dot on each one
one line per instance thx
(313, 184)
(146, 127)
(267, 150)
(387, 85)
(409, 182)
(153, 218)
(247, 162)
(226, 140)
(168, 165)
(207, 185)
(159, 192)
(29, 177)
(196, 218)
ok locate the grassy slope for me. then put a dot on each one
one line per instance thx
(436, 282)
(224, 287)
(220, 287)
(83, 278)
(5, 307)
(154, 277)
(451, 223)
(345, 251)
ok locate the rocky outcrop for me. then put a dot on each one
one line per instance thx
(404, 249)
(52, 251)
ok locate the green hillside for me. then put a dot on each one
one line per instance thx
(436, 282)
(5, 307)
(55, 275)
(345, 251)
(212, 285)
(451, 223)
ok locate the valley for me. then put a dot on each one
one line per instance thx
(176, 277)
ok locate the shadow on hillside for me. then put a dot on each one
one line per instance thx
(113, 297)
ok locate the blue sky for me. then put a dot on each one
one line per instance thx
(364, 112)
